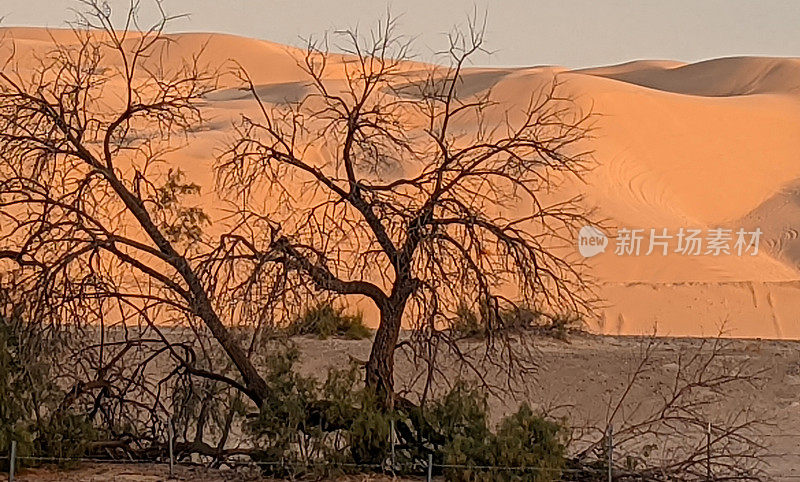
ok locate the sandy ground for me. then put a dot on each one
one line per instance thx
(157, 473)
(587, 373)
(581, 376)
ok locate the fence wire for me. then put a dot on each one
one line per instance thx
(388, 468)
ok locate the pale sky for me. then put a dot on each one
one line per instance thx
(573, 33)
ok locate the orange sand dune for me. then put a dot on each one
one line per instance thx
(704, 145)
(714, 78)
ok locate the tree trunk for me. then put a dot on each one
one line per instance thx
(380, 367)
(256, 387)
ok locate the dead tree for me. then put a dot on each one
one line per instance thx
(402, 187)
(96, 226)
(665, 434)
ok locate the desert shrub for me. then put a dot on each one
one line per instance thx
(468, 323)
(318, 427)
(65, 436)
(520, 318)
(560, 326)
(325, 320)
(369, 435)
(526, 440)
(461, 413)
(359, 427)
(337, 426)
(277, 429)
(21, 379)
(29, 396)
(557, 326)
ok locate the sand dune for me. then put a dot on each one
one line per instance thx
(632, 66)
(713, 78)
(703, 145)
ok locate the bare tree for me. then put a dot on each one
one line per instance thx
(665, 435)
(402, 187)
(97, 226)
(408, 191)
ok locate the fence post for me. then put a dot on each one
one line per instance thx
(171, 437)
(392, 435)
(708, 452)
(430, 467)
(610, 452)
(12, 461)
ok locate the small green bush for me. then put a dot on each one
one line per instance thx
(315, 428)
(282, 417)
(325, 320)
(461, 412)
(29, 398)
(469, 324)
(369, 435)
(526, 441)
(65, 436)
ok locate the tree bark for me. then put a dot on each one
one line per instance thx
(380, 366)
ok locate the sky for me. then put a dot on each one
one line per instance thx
(572, 33)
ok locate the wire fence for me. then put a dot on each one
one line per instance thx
(399, 468)
(609, 472)
(432, 468)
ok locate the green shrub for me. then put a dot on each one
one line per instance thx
(469, 324)
(369, 435)
(339, 426)
(324, 320)
(282, 418)
(527, 439)
(318, 428)
(21, 379)
(462, 412)
(29, 398)
(526, 446)
(468, 448)
(65, 436)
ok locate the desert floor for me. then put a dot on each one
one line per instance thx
(155, 473)
(581, 376)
